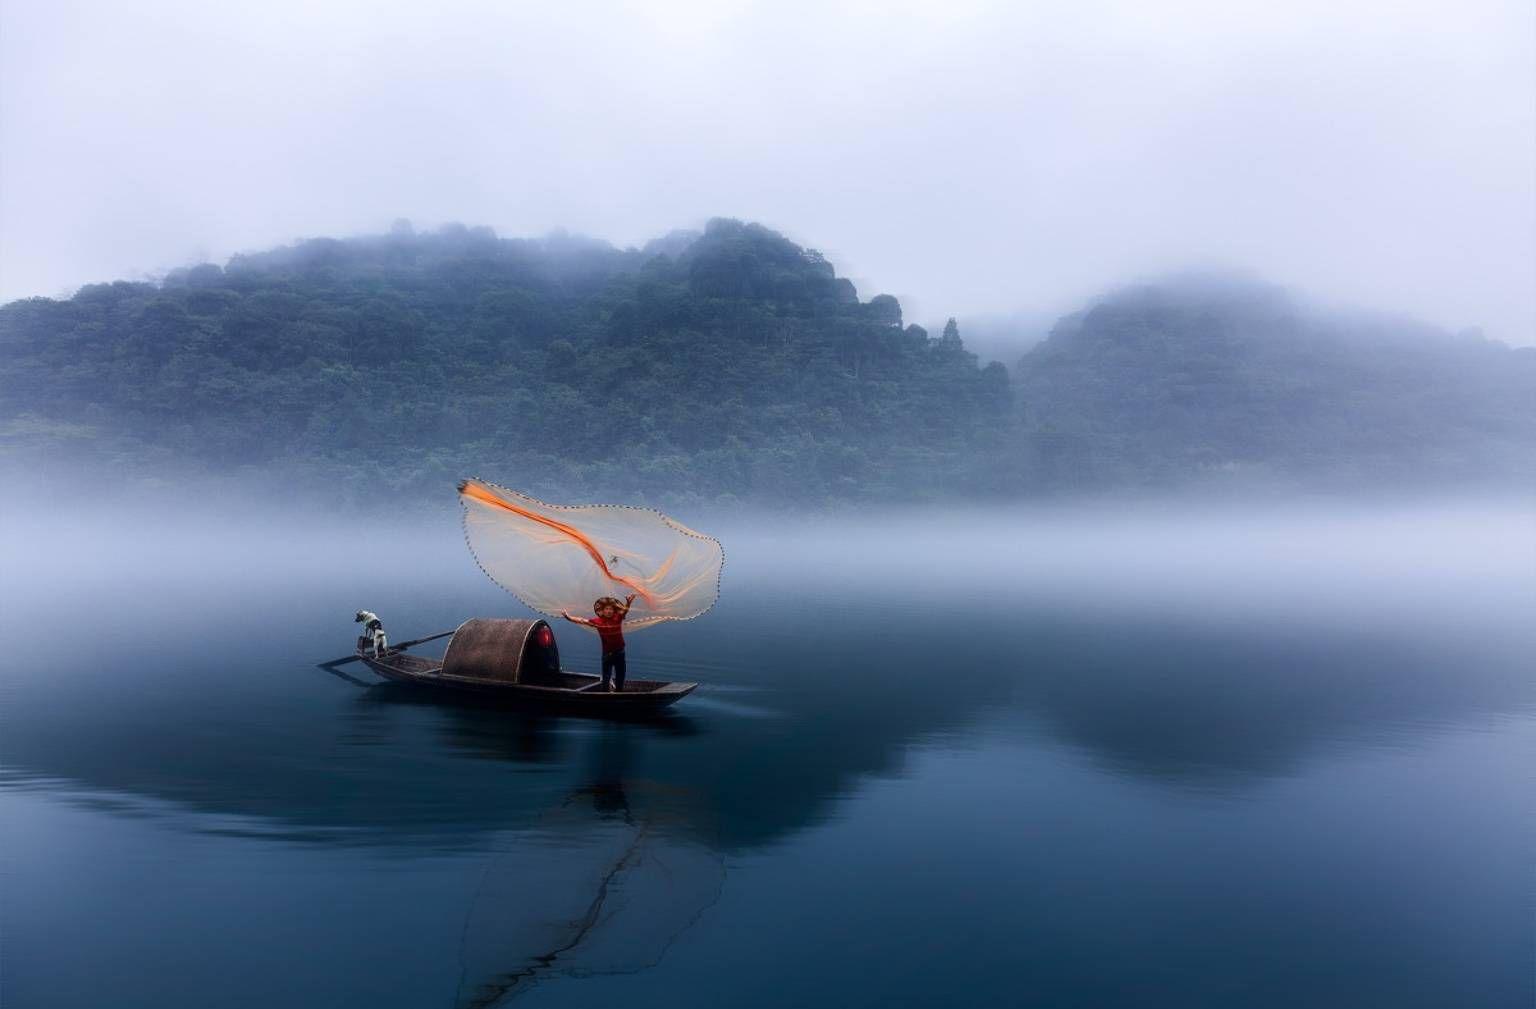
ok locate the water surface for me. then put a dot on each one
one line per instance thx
(1104, 758)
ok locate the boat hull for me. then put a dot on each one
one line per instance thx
(565, 690)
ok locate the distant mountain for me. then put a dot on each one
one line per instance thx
(731, 364)
(723, 365)
(1217, 378)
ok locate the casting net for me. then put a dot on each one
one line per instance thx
(564, 557)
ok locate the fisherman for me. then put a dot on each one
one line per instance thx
(373, 631)
(609, 624)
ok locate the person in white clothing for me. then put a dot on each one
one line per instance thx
(373, 631)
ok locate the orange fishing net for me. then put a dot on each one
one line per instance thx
(564, 557)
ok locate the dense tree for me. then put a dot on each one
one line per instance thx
(1215, 378)
(729, 364)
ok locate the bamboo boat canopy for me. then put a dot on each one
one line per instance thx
(500, 650)
(562, 558)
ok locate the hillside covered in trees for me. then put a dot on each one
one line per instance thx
(1212, 378)
(728, 365)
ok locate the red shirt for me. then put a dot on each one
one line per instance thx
(611, 630)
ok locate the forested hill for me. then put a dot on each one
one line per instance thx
(1205, 378)
(731, 364)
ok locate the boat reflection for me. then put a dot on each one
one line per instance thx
(603, 883)
(266, 736)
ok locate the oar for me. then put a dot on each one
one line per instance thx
(394, 648)
(330, 668)
(422, 641)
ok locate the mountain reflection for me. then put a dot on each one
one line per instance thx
(1207, 707)
(849, 681)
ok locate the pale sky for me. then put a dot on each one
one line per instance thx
(968, 157)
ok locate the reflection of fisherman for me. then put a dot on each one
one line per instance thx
(610, 760)
(609, 625)
(373, 631)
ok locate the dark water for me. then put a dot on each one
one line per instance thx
(964, 760)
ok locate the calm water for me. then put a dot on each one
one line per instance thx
(971, 760)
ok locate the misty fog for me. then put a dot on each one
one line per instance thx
(1172, 641)
(1119, 421)
(1324, 562)
(975, 159)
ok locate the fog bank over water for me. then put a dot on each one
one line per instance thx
(1161, 640)
(1184, 656)
(1329, 561)
(1300, 713)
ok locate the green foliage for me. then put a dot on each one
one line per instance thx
(1202, 378)
(727, 366)
(730, 365)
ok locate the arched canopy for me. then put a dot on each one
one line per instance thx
(508, 651)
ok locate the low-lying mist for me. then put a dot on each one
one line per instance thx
(1326, 561)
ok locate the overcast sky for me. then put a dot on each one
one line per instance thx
(967, 157)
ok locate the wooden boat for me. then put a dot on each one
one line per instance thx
(518, 660)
